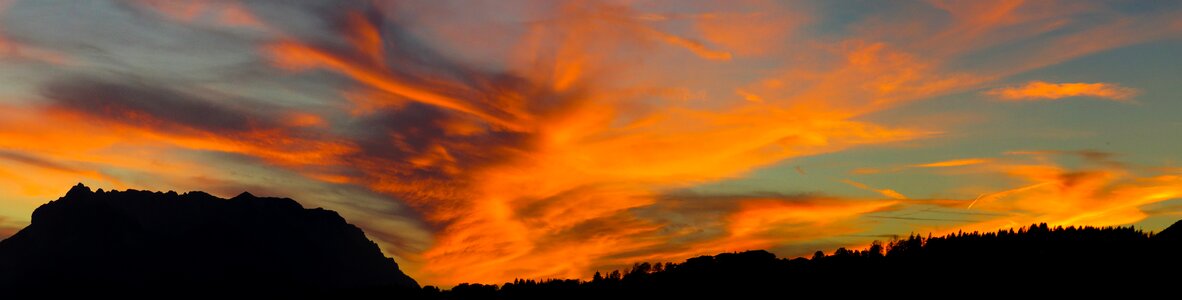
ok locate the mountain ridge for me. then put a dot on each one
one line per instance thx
(142, 240)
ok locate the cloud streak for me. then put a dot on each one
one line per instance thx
(1102, 196)
(889, 193)
(953, 163)
(1041, 90)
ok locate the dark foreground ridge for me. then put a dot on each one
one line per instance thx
(172, 245)
(194, 245)
(1030, 261)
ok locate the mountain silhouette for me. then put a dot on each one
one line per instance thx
(141, 243)
(1172, 233)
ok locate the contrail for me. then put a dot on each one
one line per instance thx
(1006, 193)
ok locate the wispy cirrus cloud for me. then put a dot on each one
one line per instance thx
(938, 164)
(889, 193)
(1041, 90)
(1101, 194)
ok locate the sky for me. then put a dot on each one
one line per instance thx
(483, 141)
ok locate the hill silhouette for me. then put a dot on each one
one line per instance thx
(143, 243)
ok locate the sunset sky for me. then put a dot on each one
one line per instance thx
(482, 141)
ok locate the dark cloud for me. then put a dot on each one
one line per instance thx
(412, 148)
(1087, 155)
(419, 128)
(333, 26)
(689, 201)
(124, 36)
(140, 103)
(35, 161)
(343, 29)
(413, 144)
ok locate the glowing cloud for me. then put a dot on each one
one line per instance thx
(1040, 90)
(765, 222)
(1099, 197)
(889, 193)
(953, 163)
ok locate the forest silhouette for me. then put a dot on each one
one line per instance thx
(1034, 259)
(140, 244)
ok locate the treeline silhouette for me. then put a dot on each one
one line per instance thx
(1038, 258)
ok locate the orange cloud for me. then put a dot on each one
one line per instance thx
(695, 46)
(749, 96)
(228, 13)
(889, 193)
(625, 19)
(1104, 194)
(970, 27)
(751, 33)
(714, 224)
(606, 148)
(864, 171)
(298, 56)
(865, 77)
(975, 25)
(11, 49)
(938, 164)
(953, 163)
(1040, 90)
(48, 150)
(601, 154)
(767, 216)
(303, 119)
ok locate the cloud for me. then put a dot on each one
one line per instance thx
(694, 46)
(35, 161)
(771, 217)
(469, 154)
(953, 163)
(889, 193)
(1042, 186)
(1099, 192)
(182, 118)
(1099, 197)
(751, 30)
(147, 105)
(226, 13)
(699, 224)
(12, 50)
(1040, 90)
(1091, 155)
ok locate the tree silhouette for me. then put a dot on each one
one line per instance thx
(1036, 258)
